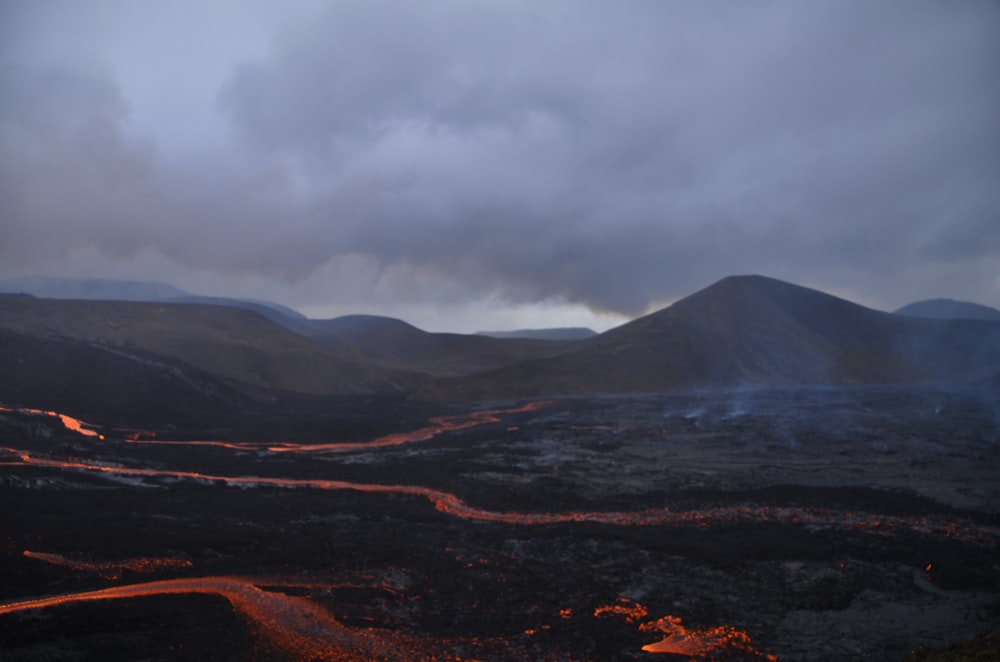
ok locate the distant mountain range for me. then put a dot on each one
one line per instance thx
(169, 357)
(949, 309)
(568, 333)
(106, 289)
(746, 330)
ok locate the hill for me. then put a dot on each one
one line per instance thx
(241, 348)
(745, 330)
(390, 342)
(949, 309)
(118, 387)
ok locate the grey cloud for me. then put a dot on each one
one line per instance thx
(615, 155)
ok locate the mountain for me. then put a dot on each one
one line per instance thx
(568, 333)
(106, 289)
(238, 347)
(392, 342)
(949, 309)
(745, 330)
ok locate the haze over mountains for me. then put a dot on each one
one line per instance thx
(746, 330)
(107, 289)
(567, 333)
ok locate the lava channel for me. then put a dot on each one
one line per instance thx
(70, 423)
(112, 569)
(293, 624)
(451, 504)
(435, 427)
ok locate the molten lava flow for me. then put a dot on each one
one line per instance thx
(698, 642)
(70, 423)
(114, 569)
(294, 624)
(437, 425)
(679, 640)
(447, 502)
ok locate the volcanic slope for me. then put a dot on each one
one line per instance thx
(118, 388)
(746, 330)
(238, 347)
(394, 343)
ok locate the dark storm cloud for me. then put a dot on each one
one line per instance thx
(611, 154)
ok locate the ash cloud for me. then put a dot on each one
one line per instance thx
(615, 156)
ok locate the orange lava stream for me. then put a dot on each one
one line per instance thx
(697, 642)
(451, 504)
(679, 640)
(70, 423)
(294, 624)
(111, 570)
(436, 426)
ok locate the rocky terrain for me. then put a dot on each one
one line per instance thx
(824, 523)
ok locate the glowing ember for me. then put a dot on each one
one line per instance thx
(631, 611)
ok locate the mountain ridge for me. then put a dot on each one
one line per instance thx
(239, 346)
(110, 289)
(739, 331)
(744, 330)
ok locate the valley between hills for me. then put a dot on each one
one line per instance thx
(760, 471)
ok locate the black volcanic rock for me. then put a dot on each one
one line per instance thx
(949, 309)
(746, 330)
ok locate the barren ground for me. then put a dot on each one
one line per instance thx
(808, 524)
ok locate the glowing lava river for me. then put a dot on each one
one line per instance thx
(318, 575)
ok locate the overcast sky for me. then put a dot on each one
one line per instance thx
(498, 164)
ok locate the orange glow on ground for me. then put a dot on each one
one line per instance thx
(70, 423)
(630, 611)
(679, 640)
(698, 642)
(447, 502)
(114, 569)
(435, 427)
(294, 624)
(308, 632)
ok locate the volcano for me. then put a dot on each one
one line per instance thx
(744, 331)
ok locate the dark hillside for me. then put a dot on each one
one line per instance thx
(235, 345)
(747, 330)
(394, 343)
